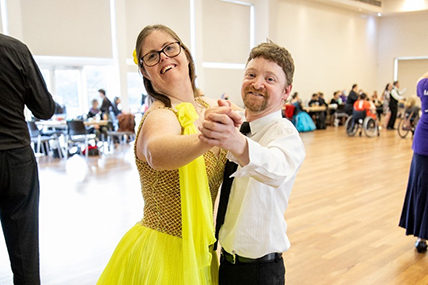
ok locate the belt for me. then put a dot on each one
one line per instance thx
(234, 258)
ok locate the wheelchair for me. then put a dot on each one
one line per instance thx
(359, 121)
(404, 127)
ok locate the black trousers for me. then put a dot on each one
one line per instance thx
(19, 212)
(270, 273)
(394, 110)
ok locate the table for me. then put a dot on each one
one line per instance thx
(61, 127)
(315, 108)
(63, 123)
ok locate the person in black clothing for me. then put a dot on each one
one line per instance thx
(394, 97)
(352, 98)
(322, 103)
(314, 100)
(21, 83)
(60, 109)
(105, 105)
(334, 104)
(115, 106)
(321, 116)
(321, 99)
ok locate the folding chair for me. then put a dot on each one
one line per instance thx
(77, 133)
(38, 138)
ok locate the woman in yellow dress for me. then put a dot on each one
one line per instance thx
(179, 174)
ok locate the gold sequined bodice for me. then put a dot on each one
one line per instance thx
(161, 191)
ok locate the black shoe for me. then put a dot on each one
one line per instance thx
(421, 246)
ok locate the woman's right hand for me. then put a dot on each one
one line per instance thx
(224, 107)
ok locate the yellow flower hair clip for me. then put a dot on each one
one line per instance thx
(134, 54)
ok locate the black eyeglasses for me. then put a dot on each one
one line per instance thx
(152, 58)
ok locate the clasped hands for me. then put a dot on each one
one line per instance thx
(220, 128)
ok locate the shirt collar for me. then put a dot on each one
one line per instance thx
(260, 123)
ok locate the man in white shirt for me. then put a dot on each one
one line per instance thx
(253, 235)
(396, 96)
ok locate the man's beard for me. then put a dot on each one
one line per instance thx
(253, 104)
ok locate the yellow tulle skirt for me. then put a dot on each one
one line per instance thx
(148, 257)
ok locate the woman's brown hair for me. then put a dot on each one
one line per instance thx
(147, 83)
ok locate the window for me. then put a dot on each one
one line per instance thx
(97, 77)
(67, 90)
(136, 91)
(76, 86)
(47, 78)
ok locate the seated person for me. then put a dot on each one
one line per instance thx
(321, 100)
(313, 102)
(342, 97)
(378, 104)
(301, 120)
(60, 109)
(411, 110)
(318, 116)
(362, 104)
(94, 109)
(115, 108)
(100, 131)
(334, 104)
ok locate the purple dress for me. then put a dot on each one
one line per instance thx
(414, 217)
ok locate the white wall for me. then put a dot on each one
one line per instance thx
(140, 13)
(409, 71)
(225, 39)
(66, 28)
(394, 6)
(333, 48)
(12, 11)
(403, 35)
(2, 30)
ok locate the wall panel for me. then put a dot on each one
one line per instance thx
(402, 35)
(221, 81)
(226, 36)
(67, 28)
(409, 71)
(333, 48)
(174, 14)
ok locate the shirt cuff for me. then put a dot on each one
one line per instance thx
(254, 159)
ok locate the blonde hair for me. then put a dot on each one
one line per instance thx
(410, 102)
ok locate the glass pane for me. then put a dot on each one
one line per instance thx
(47, 78)
(96, 79)
(67, 91)
(136, 92)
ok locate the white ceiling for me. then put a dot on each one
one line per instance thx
(388, 7)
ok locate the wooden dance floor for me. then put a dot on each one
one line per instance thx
(342, 218)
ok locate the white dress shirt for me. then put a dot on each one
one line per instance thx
(398, 95)
(254, 223)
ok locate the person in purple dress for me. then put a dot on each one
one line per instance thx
(414, 217)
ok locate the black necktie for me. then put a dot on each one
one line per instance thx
(229, 169)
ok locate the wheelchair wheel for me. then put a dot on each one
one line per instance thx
(402, 133)
(351, 126)
(370, 127)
